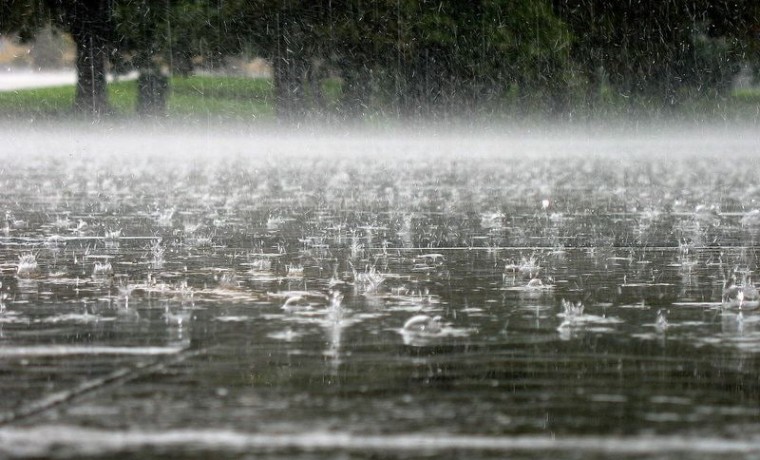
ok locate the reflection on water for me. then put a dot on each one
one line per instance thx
(411, 297)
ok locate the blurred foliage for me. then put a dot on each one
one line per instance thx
(90, 24)
(23, 18)
(436, 58)
(660, 52)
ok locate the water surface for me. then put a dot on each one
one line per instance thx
(236, 294)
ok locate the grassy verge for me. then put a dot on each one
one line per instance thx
(47, 102)
(221, 99)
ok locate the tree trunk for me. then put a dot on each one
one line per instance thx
(152, 92)
(90, 26)
(288, 69)
(91, 96)
(353, 91)
(288, 88)
(593, 88)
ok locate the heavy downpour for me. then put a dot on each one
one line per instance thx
(393, 229)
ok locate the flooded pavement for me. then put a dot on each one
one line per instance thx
(236, 295)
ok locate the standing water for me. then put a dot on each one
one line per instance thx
(227, 294)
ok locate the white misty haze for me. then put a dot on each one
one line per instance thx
(126, 143)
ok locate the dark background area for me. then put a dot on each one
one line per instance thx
(415, 58)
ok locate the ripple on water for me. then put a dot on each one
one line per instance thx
(40, 441)
(66, 350)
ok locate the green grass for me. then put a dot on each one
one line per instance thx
(37, 102)
(747, 96)
(223, 88)
(222, 98)
(216, 98)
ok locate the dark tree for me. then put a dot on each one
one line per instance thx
(413, 57)
(657, 52)
(90, 25)
(143, 36)
(448, 56)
